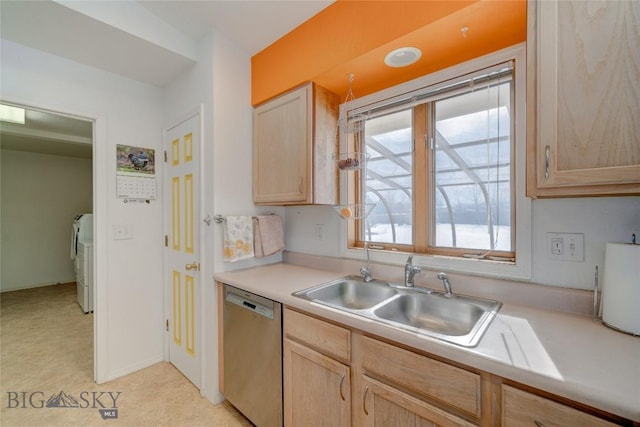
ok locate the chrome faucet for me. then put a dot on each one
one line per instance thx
(447, 285)
(366, 271)
(410, 271)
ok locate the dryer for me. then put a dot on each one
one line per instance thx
(84, 276)
(82, 256)
(81, 231)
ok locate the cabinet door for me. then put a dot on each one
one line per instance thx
(383, 405)
(282, 134)
(317, 389)
(520, 408)
(588, 97)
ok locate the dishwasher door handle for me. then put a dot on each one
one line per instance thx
(248, 304)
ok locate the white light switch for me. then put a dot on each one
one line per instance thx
(122, 232)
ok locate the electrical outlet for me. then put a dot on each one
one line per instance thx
(566, 246)
(320, 232)
(557, 246)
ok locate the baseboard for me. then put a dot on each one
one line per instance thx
(39, 285)
(133, 368)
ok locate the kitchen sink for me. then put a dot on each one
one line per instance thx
(459, 320)
(350, 293)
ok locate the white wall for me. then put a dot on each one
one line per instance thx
(221, 83)
(41, 194)
(129, 314)
(601, 219)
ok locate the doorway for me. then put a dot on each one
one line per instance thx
(47, 180)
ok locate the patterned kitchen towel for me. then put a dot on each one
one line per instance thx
(238, 238)
(269, 235)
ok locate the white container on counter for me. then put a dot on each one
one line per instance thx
(621, 288)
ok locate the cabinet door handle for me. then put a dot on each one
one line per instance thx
(547, 161)
(342, 382)
(364, 400)
(300, 182)
(538, 423)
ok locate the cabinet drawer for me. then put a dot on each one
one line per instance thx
(383, 405)
(520, 408)
(326, 338)
(419, 374)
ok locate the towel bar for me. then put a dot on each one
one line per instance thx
(219, 219)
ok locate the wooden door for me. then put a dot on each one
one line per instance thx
(317, 389)
(182, 246)
(282, 149)
(588, 103)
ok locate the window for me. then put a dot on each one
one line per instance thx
(441, 168)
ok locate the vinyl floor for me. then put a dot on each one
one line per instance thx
(46, 358)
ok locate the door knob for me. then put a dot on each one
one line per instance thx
(193, 266)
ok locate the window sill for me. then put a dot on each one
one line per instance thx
(519, 270)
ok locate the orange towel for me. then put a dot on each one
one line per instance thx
(268, 236)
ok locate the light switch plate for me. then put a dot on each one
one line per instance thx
(566, 246)
(122, 232)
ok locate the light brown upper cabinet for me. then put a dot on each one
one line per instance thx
(583, 98)
(294, 141)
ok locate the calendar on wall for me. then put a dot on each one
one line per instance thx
(135, 172)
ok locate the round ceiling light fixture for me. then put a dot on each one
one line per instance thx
(402, 57)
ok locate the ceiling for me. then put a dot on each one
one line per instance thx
(111, 35)
(48, 133)
(251, 25)
(353, 37)
(155, 41)
(107, 35)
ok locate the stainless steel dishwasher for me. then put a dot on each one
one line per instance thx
(252, 341)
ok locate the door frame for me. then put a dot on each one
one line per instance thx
(166, 283)
(100, 210)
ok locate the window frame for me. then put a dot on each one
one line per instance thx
(396, 254)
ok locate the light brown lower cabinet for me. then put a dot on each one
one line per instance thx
(384, 405)
(455, 389)
(317, 388)
(520, 408)
(317, 381)
(335, 376)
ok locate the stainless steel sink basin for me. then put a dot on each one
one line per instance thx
(460, 320)
(349, 292)
(457, 319)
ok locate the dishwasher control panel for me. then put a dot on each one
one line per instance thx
(252, 302)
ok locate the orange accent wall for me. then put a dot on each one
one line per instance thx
(353, 36)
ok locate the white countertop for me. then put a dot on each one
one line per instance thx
(567, 355)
